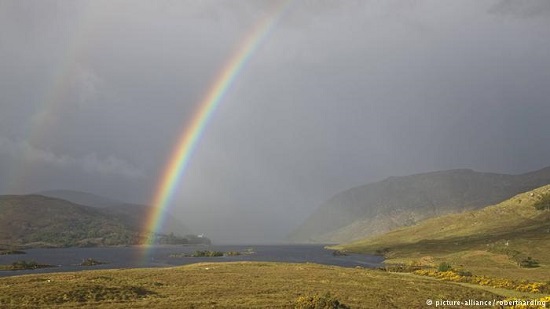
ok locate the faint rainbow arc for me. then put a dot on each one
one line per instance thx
(53, 97)
(181, 156)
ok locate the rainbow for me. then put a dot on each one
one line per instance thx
(53, 101)
(180, 157)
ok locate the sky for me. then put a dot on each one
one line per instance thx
(95, 94)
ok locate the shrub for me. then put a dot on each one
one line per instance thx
(444, 266)
(529, 263)
(543, 203)
(464, 273)
(522, 286)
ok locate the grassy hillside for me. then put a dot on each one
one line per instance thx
(132, 215)
(37, 220)
(491, 241)
(403, 201)
(230, 285)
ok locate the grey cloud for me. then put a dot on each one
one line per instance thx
(91, 163)
(339, 94)
(525, 9)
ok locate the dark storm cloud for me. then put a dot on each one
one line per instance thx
(338, 95)
(527, 8)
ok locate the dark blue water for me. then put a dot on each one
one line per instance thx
(68, 259)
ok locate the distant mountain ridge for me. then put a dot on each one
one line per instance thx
(401, 201)
(36, 220)
(518, 227)
(132, 215)
(42, 221)
(82, 198)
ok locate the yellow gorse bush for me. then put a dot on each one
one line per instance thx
(522, 286)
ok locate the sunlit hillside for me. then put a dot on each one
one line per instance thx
(380, 207)
(493, 240)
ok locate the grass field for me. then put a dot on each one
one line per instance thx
(228, 285)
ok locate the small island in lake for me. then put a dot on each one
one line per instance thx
(11, 251)
(205, 253)
(22, 265)
(91, 262)
(189, 239)
(339, 253)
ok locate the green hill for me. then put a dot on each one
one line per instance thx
(35, 220)
(131, 214)
(493, 240)
(380, 207)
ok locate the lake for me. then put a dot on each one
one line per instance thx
(68, 259)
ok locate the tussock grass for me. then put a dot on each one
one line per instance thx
(228, 285)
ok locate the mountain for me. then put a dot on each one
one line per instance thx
(518, 228)
(402, 201)
(82, 198)
(133, 215)
(36, 220)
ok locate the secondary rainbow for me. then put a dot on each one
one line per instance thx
(180, 157)
(43, 121)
